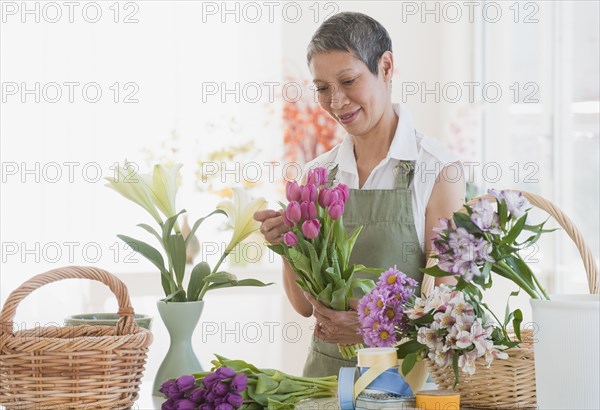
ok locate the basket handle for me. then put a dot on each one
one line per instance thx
(563, 220)
(125, 325)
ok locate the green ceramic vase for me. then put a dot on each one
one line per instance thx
(180, 319)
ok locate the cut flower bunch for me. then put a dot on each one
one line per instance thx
(234, 384)
(317, 246)
(156, 194)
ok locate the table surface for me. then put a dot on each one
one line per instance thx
(149, 402)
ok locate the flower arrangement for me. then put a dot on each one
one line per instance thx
(156, 193)
(234, 384)
(317, 247)
(453, 325)
(471, 245)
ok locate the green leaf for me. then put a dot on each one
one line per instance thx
(243, 282)
(455, 368)
(518, 319)
(200, 271)
(502, 213)
(177, 296)
(507, 314)
(463, 220)
(175, 247)
(266, 385)
(339, 296)
(167, 226)
(515, 231)
(366, 285)
(412, 346)
(199, 222)
(153, 231)
(314, 264)
(408, 363)
(154, 256)
(277, 248)
(220, 277)
(325, 295)
(435, 271)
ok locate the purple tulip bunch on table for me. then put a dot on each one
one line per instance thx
(219, 390)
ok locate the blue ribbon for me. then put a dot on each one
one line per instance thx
(389, 381)
(346, 379)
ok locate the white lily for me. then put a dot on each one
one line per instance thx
(133, 187)
(240, 212)
(164, 187)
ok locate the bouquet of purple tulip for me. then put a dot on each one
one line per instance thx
(236, 384)
(318, 247)
(218, 390)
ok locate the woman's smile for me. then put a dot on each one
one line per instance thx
(349, 117)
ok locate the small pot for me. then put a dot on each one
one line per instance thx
(105, 319)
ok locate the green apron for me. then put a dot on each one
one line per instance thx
(388, 238)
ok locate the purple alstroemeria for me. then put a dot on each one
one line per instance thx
(485, 217)
(516, 203)
(310, 228)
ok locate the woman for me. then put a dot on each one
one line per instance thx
(396, 175)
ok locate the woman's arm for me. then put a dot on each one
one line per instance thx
(447, 197)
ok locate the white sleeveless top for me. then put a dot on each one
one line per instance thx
(430, 158)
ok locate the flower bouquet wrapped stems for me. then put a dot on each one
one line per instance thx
(235, 384)
(317, 247)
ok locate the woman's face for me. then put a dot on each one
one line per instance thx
(349, 92)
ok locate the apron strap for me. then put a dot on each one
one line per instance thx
(406, 173)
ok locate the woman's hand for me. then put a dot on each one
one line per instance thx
(272, 226)
(335, 326)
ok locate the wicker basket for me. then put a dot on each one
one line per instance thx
(93, 367)
(510, 383)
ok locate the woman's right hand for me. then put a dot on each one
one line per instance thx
(272, 226)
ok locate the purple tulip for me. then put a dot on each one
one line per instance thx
(344, 191)
(210, 379)
(173, 392)
(293, 212)
(166, 386)
(224, 406)
(292, 191)
(311, 228)
(225, 372)
(325, 197)
(286, 221)
(220, 389)
(206, 406)
(234, 399)
(197, 394)
(336, 209)
(168, 405)
(186, 382)
(317, 176)
(185, 404)
(290, 239)
(309, 193)
(239, 382)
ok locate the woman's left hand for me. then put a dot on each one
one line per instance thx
(335, 326)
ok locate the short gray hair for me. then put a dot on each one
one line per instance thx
(354, 32)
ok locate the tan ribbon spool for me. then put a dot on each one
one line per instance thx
(378, 360)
